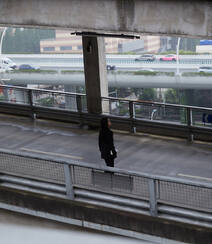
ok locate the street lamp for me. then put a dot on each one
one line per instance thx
(2, 37)
(178, 47)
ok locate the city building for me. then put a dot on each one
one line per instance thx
(205, 46)
(151, 43)
(64, 42)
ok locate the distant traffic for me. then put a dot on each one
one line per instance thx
(150, 62)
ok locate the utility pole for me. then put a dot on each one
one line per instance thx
(178, 47)
(2, 38)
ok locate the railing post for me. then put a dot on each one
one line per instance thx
(189, 124)
(79, 108)
(110, 108)
(132, 116)
(30, 98)
(152, 197)
(68, 182)
(79, 103)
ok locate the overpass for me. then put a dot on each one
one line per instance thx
(116, 80)
(186, 18)
(76, 193)
(45, 175)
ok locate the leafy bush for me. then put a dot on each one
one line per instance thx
(181, 52)
(2, 98)
(71, 71)
(35, 71)
(145, 72)
(192, 74)
(47, 101)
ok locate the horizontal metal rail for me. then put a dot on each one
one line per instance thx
(131, 191)
(189, 122)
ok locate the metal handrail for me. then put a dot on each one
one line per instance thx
(157, 103)
(109, 169)
(112, 98)
(131, 117)
(42, 90)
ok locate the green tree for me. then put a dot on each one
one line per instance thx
(8, 43)
(172, 96)
(189, 44)
(201, 98)
(22, 40)
(148, 94)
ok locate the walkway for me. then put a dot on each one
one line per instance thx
(141, 153)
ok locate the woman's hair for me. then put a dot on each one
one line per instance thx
(104, 124)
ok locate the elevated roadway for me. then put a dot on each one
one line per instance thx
(190, 18)
(120, 200)
(115, 79)
(60, 62)
(147, 154)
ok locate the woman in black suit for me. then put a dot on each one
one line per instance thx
(106, 146)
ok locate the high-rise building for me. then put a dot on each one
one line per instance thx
(151, 43)
(64, 42)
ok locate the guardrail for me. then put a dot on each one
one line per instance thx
(184, 121)
(157, 196)
(181, 61)
(134, 115)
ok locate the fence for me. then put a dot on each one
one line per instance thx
(154, 111)
(130, 114)
(132, 188)
(43, 98)
(131, 60)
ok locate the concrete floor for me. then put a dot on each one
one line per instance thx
(140, 153)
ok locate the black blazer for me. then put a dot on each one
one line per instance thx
(106, 145)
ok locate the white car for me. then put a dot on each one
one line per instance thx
(4, 70)
(7, 64)
(205, 69)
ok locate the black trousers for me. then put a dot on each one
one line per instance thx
(109, 161)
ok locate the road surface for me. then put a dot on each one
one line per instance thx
(141, 153)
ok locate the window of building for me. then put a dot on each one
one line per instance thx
(48, 49)
(62, 48)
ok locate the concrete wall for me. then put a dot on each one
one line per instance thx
(93, 216)
(179, 17)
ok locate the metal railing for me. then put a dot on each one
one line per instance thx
(189, 119)
(43, 98)
(108, 185)
(118, 60)
(159, 112)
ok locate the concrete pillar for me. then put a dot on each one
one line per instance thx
(95, 73)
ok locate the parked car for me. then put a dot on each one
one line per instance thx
(169, 57)
(146, 57)
(27, 67)
(111, 67)
(205, 69)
